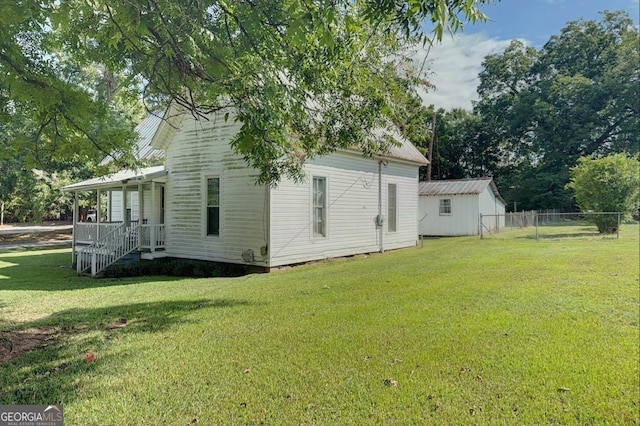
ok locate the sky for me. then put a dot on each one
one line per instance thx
(456, 62)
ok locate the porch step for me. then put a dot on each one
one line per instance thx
(129, 259)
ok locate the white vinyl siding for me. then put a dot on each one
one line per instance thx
(492, 210)
(464, 219)
(200, 150)
(352, 207)
(277, 223)
(319, 209)
(392, 205)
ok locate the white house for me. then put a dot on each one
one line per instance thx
(203, 203)
(454, 207)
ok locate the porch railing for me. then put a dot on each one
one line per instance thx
(95, 257)
(152, 237)
(90, 232)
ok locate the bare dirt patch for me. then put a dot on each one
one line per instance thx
(13, 343)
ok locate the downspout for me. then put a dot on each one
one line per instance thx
(265, 250)
(379, 221)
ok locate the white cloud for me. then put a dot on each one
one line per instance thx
(454, 65)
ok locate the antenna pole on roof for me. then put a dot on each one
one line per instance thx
(433, 135)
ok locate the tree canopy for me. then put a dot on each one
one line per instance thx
(576, 96)
(303, 77)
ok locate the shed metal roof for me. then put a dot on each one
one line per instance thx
(458, 187)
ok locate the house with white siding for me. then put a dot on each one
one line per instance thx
(460, 207)
(203, 203)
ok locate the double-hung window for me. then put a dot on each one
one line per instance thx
(445, 206)
(319, 209)
(213, 206)
(392, 207)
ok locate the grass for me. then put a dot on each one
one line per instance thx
(554, 230)
(462, 331)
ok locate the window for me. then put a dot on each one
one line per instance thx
(445, 206)
(213, 206)
(319, 206)
(392, 197)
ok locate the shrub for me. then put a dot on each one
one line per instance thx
(177, 268)
(605, 184)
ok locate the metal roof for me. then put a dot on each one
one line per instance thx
(404, 150)
(458, 187)
(146, 174)
(143, 150)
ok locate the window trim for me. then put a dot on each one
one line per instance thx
(205, 213)
(395, 208)
(442, 207)
(325, 207)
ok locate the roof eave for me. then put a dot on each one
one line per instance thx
(87, 185)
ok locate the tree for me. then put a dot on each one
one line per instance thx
(49, 110)
(303, 77)
(606, 184)
(35, 139)
(464, 147)
(577, 96)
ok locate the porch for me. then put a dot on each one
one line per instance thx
(129, 217)
(151, 237)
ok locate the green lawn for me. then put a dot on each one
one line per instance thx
(461, 331)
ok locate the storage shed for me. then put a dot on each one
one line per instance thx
(454, 207)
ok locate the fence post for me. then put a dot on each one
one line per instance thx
(536, 221)
(481, 226)
(618, 228)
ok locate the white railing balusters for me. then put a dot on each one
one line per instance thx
(152, 240)
(113, 246)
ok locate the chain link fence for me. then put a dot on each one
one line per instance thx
(554, 224)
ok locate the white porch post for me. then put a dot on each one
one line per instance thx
(152, 218)
(110, 206)
(75, 223)
(125, 219)
(140, 215)
(140, 204)
(98, 210)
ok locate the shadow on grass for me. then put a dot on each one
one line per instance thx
(50, 270)
(54, 370)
